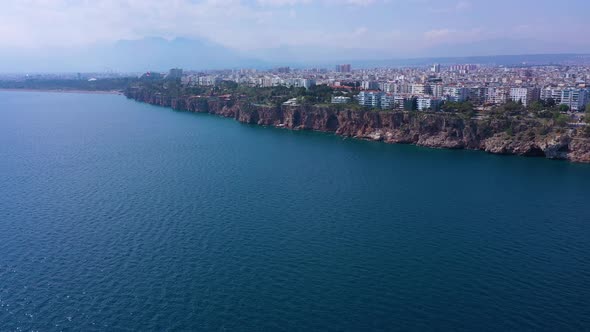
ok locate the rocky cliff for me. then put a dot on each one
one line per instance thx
(498, 134)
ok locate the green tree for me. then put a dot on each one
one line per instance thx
(461, 107)
(536, 106)
(560, 119)
(564, 108)
(512, 106)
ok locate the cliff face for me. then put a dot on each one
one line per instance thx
(506, 135)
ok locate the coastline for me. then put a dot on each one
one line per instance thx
(98, 92)
(504, 135)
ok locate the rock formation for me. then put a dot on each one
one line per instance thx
(516, 135)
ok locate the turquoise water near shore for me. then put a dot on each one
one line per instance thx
(117, 215)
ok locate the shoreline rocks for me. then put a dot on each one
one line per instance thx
(506, 135)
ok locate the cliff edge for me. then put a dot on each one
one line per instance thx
(518, 135)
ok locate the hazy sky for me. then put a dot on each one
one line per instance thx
(396, 27)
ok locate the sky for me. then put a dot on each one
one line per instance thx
(371, 28)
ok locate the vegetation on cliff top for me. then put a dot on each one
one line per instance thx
(548, 114)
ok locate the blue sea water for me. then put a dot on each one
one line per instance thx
(121, 216)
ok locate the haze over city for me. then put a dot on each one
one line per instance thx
(66, 35)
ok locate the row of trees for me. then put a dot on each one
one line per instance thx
(548, 104)
(320, 94)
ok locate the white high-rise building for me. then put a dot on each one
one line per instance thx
(576, 99)
(428, 103)
(370, 85)
(370, 98)
(420, 89)
(497, 95)
(524, 95)
(437, 90)
(387, 101)
(455, 94)
(307, 83)
(435, 68)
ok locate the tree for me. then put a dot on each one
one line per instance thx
(512, 106)
(561, 119)
(536, 106)
(587, 114)
(461, 107)
(509, 107)
(564, 108)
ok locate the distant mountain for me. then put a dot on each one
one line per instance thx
(162, 54)
(314, 56)
(517, 51)
(199, 54)
(130, 56)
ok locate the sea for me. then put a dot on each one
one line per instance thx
(122, 216)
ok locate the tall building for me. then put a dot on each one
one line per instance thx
(576, 99)
(420, 89)
(307, 83)
(210, 80)
(175, 73)
(524, 95)
(497, 95)
(387, 87)
(428, 103)
(462, 68)
(370, 98)
(455, 94)
(410, 104)
(370, 85)
(477, 94)
(437, 90)
(346, 68)
(551, 93)
(398, 102)
(387, 101)
(435, 68)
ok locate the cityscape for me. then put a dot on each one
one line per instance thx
(410, 88)
(422, 88)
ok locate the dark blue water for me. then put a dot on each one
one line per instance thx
(116, 215)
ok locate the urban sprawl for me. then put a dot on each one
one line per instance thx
(421, 88)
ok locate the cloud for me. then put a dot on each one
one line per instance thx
(360, 2)
(261, 24)
(454, 36)
(42, 23)
(360, 31)
(39, 24)
(437, 34)
(461, 6)
(279, 3)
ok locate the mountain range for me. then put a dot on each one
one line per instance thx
(200, 54)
